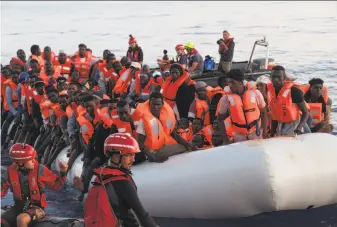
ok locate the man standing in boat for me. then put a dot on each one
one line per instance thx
(226, 51)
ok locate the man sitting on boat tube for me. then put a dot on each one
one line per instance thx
(157, 135)
(245, 106)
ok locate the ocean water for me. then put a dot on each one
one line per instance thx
(302, 37)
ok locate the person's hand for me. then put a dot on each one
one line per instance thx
(63, 167)
(78, 183)
(156, 156)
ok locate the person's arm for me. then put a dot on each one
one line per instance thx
(51, 180)
(223, 114)
(9, 101)
(194, 64)
(175, 135)
(328, 111)
(298, 99)
(262, 106)
(192, 111)
(127, 192)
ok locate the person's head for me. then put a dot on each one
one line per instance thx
(132, 41)
(49, 66)
(156, 103)
(34, 65)
(105, 54)
(176, 71)
(52, 94)
(261, 84)
(88, 103)
(316, 86)
(189, 47)
(82, 49)
(235, 81)
(23, 155)
(15, 77)
(21, 55)
(123, 110)
(121, 149)
(6, 71)
(63, 100)
(197, 125)
(183, 123)
(62, 57)
(75, 76)
(225, 35)
(39, 86)
(47, 52)
(72, 87)
(146, 69)
(98, 96)
(110, 58)
(35, 50)
(200, 88)
(144, 79)
(61, 83)
(217, 138)
(278, 76)
(222, 81)
(113, 103)
(180, 49)
(124, 60)
(198, 140)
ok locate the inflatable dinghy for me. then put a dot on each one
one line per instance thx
(239, 180)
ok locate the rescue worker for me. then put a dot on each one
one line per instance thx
(115, 187)
(178, 91)
(36, 55)
(287, 106)
(195, 60)
(316, 95)
(135, 52)
(246, 108)
(21, 55)
(157, 135)
(27, 178)
(200, 106)
(226, 51)
(11, 103)
(64, 63)
(181, 57)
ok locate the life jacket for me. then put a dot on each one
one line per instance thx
(158, 131)
(26, 96)
(87, 128)
(282, 108)
(146, 89)
(80, 110)
(83, 67)
(38, 98)
(69, 111)
(3, 90)
(64, 68)
(106, 74)
(228, 42)
(133, 54)
(227, 122)
(158, 81)
(244, 112)
(170, 88)
(186, 134)
(211, 92)
(123, 81)
(39, 59)
(202, 111)
(43, 75)
(138, 113)
(305, 88)
(51, 56)
(105, 117)
(13, 86)
(37, 196)
(207, 132)
(46, 110)
(98, 211)
(125, 127)
(58, 111)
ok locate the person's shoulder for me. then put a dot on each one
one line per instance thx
(296, 89)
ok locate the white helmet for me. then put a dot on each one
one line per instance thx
(156, 73)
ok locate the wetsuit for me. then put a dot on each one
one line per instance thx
(123, 197)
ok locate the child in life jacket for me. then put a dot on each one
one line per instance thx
(26, 178)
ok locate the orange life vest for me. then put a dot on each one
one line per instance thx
(202, 111)
(39, 59)
(107, 74)
(170, 88)
(123, 81)
(37, 197)
(211, 92)
(125, 127)
(83, 67)
(207, 132)
(146, 89)
(87, 128)
(305, 88)
(64, 68)
(158, 131)
(80, 110)
(3, 90)
(38, 98)
(316, 113)
(46, 78)
(69, 111)
(13, 86)
(187, 133)
(282, 108)
(26, 96)
(46, 110)
(105, 117)
(58, 111)
(244, 112)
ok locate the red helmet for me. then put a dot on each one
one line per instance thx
(122, 143)
(180, 47)
(22, 153)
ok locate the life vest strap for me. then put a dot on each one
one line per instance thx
(246, 126)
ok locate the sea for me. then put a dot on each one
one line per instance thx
(302, 37)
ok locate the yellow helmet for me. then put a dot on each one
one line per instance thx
(189, 45)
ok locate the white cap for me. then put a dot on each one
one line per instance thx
(263, 79)
(200, 84)
(136, 65)
(62, 52)
(156, 73)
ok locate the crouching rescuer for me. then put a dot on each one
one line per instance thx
(114, 192)
(26, 178)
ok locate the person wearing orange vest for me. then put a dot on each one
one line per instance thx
(262, 85)
(200, 106)
(17, 65)
(26, 178)
(214, 95)
(202, 135)
(61, 84)
(5, 75)
(316, 95)
(184, 128)
(83, 61)
(135, 52)
(107, 74)
(47, 54)
(126, 80)
(36, 55)
(177, 92)
(63, 62)
(49, 73)
(21, 55)
(34, 67)
(246, 108)
(156, 130)
(287, 106)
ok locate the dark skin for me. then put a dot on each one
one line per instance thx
(238, 88)
(175, 74)
(61, 86)
(197, 125)
(53, 97)
(71, 89)
(21, 55)
(278, 80)
(75, 76)
(82, 51)
(35, 67)
(124, 113)
(62, 58)
(90, 107)
(47, 51)
(198, 141)
(15, 78)
(63, 102)
(49, 68)
(144, 79)
(217, 138)
(201, 92)
(105, 54)
(39, 88)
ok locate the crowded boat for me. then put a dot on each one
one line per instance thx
(108, 114)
